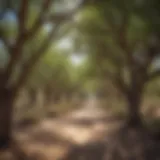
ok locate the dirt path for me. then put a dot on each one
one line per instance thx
(54, 137)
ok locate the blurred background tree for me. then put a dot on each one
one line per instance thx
(54, 51)
(27, 30)
(122, 41)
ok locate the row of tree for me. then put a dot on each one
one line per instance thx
(122, 40)
(28, 29)
(119, 39)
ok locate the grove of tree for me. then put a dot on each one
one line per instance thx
(28, 30)
(119, 40)
(123, 43)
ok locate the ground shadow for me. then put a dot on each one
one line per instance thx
(125, 144)
(91, 151)
(89, 121)
(48, 138)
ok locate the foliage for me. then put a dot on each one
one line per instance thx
(32, 27)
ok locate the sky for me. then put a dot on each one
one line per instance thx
(66, 44)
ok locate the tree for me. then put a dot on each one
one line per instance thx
(21, 59)
(49, 75)
(122, 40)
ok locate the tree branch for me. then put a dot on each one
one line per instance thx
(33, 31)
(16, 50)
(26, 69)
(118, 81)
(122, 32)
(22, 16)
(116, 76)
(148, 56)
(122, 39)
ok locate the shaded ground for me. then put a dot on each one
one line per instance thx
(54, 138)
(79, 135)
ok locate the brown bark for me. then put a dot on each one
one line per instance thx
(6, 113)
(32, 96)
(134, 114)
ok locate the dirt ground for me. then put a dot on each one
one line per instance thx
(52, 139)
(82, 132)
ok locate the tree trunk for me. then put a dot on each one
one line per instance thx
(32, 96)
(134, 114)
(6, 112)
